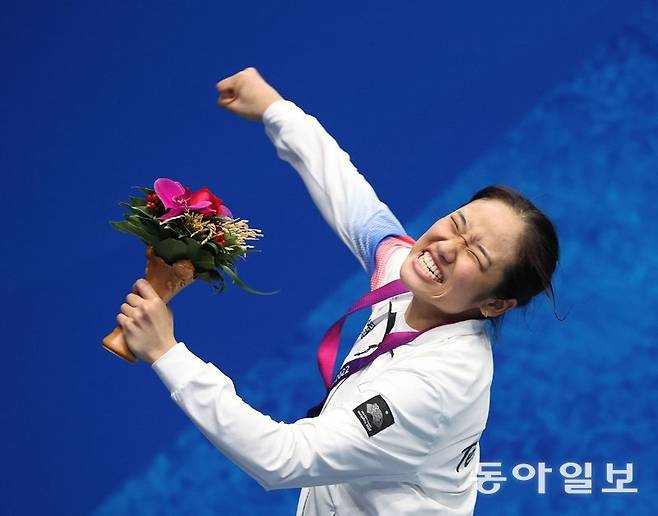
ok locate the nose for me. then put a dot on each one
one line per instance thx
(448, 249)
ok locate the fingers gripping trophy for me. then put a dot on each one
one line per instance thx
(192, 234)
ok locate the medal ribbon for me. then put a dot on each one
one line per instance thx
(328, 349)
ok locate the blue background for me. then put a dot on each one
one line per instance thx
(432, 101)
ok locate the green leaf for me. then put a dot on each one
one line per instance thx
(210, 276)
(137, 201)
(135, 227)
(142, 211)
(154, 227)
(204, 261)
(123, 225)
(214, 247)
(216, 275)
(145, 225)
(193, 247)
(229, 239)
(170, 250)
(242, 285)
(144, 190)
(220, 260)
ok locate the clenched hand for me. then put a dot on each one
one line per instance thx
(147, 323)
(246, 94)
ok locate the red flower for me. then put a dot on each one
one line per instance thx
(219, 239)
(216, 206)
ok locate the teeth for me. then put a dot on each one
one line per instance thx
(427, 260)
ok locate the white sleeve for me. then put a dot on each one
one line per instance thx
(343, 196)
(340, 445)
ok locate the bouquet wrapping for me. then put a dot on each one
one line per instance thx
(189, 235)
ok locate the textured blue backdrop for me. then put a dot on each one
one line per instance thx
(432, 102)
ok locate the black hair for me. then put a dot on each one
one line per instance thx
(537, 256)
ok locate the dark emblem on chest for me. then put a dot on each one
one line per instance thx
(374, 415)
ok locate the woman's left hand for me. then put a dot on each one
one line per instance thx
(147, 323)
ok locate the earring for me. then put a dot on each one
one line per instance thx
(485, 315)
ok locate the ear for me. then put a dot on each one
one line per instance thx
(496, 307)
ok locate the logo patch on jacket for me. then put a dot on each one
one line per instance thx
(374, 415)
(467, 456)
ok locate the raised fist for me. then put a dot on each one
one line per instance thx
(246, 94)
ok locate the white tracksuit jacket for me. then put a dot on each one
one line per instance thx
(398, 437)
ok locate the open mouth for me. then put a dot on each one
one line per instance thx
(428, 268)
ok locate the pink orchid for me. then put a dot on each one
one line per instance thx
(176, 198)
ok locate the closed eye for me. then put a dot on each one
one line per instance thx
(466, 243)
(476, 257)
(454, 224)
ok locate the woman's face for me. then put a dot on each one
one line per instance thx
(465, 251)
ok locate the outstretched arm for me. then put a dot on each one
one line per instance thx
(343, 196)
(344, 443)
(341, 445)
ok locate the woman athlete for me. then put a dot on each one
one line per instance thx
(399, 431)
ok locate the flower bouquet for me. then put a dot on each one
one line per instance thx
(189, 235)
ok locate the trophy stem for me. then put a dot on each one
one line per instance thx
(167, 280)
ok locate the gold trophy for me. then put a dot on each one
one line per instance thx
(167, 280)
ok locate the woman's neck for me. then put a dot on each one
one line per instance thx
(421, 316)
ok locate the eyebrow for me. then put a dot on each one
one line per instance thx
(484, 251)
